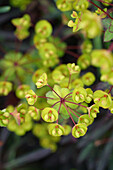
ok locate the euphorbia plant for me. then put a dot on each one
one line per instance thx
(63, 91)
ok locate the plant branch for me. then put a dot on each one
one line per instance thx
(72, 54)
(53, 90)
(69, 114)
(76, 104)
(73, 112)
(100, 9)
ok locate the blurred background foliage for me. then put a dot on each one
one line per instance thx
(94, 151)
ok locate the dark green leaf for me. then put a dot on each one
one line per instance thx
(5, 9)
(108, 36)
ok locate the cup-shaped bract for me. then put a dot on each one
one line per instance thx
(49, 114)
(84, 61)
(22, 26)
(37, 74)
(47, 51)
(21, 90)
(33, 112)
(42, 81)
(89, 96)
(43, 28)
(88, 78)
(57, 76)
(102, 99)
(64, 5)
(93, 110)
(31, 97)
(79, 94)
(5, 88)
(56, 129)
(4, 117)
(39, 42)
(86, 46)
(85, 119)
(88, 22)
(80, 5)
(73, 68)
(79, 130)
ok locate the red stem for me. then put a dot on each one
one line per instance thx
(67, 95)
(110, 89)
(72, 47)
(59, 110)
(72, 54)
(110, 47)
(69, 114)
(105, 2)
(55, 104)
(73, 112)
(76, 104)
(100, 9)
(53, 90)
(45, 97)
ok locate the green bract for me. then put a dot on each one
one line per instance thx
(73, 68)
(93, 110)
(4, 117)
(64, 5)
(43, 29)
(79, 94)
(39, 42)
(42, 81)
(48, 50)
(49, 114)
(84, 61)
(22, 26)
(21, 90)
(85, 119)
(31, 97)
(102, 99)
(34, 112)
(88, 78)
(89, 96)
(79, 130)
(80, 5)
(56, 129)
(5, 87)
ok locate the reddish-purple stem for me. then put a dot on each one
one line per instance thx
(77, 112)
(55, 104)
(67, 95)
(110, 89)
(59, 110)
(53, 90)
(72, 47)
(105, 2)
(73, 112)
(45, 97)
(68, 36)
(72, 54)
(69, 113)
(76, 104)
(110, 47)
(100, 9)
